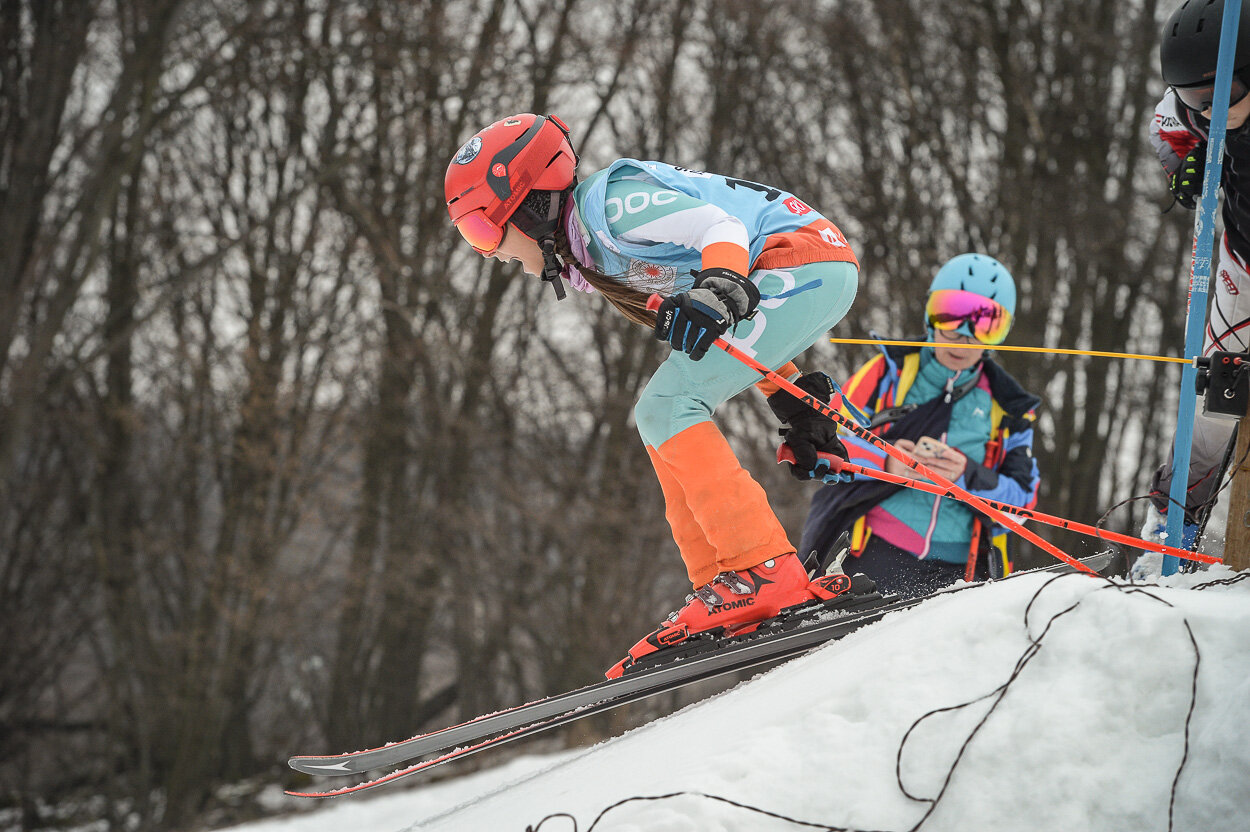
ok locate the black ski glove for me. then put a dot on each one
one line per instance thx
(691, 321)
(807, 431)
(1186, 180)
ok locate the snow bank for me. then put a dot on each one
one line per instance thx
(1081, 697)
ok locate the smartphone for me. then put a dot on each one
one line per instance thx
(928, 446)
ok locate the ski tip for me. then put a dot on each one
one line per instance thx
(1095, 563)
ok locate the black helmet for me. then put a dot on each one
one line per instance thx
(1191, 43)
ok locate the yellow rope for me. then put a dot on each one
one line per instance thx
(1010, 349)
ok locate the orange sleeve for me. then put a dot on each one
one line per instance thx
(767, 387)
(727, 256)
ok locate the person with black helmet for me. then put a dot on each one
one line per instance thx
(734, 258)
(1187, 55)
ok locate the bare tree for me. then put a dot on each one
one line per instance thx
(1018, 129)
(283, 462)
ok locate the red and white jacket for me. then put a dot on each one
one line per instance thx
(1175, 131)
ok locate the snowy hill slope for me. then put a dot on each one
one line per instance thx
(1089, 735)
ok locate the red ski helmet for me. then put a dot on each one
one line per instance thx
(497, 168)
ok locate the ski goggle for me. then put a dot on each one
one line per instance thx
(1199, 99)
(479, 232)
(485, 236)
(950, 309)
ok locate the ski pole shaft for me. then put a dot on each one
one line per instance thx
(653, 304)
(1205, 218)
(837, 465)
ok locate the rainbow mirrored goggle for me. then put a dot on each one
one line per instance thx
(951, 309)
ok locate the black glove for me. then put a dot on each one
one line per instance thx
(1186, 180)
(807, 431)
(691, 321)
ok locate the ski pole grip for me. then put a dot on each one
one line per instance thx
(653, 302)
(836, 463)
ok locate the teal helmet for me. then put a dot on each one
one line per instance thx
(980, 275)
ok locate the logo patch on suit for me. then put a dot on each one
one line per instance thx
(650, 274)
(1229, 283)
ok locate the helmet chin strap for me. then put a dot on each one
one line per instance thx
(543, 230)
(552, 266)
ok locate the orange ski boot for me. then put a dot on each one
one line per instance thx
(733, 603)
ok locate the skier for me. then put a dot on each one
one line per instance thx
(733, 258)
(962, 416)
(1187, 56)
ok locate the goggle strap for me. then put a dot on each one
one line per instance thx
(535, 227)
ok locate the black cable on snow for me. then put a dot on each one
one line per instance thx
(712, 797)
(1035, 645)
(998, 694)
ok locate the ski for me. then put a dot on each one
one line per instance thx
(690, 662)
(707, 659)
(650, 679)
(450, 756)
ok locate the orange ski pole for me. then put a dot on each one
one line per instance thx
(653, 303)
(838, 465)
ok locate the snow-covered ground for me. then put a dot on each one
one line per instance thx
(1091, 734)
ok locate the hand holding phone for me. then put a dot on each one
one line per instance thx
(940, 458)
(929, 447)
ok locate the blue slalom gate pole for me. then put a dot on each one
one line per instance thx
(1200, 276)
